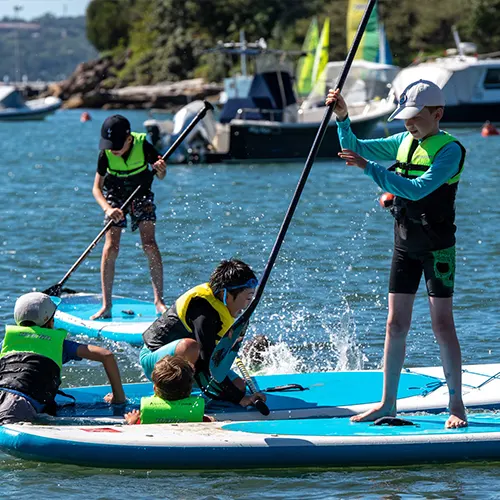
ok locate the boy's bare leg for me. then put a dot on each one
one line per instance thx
(147, 230)
(108, 260)
(398, 325)
(446, 336)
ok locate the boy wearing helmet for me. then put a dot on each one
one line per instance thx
(195, 323)
(424, 180)
(31, 359)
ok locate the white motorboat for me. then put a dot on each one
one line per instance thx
(14, 107)
(471, 84)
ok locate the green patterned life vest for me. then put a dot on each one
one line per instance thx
(155, 410)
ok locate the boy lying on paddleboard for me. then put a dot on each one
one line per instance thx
(173, 379)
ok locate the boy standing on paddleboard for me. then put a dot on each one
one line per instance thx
(424, 180)
(121, 167)
(195, 323)
(31, 359)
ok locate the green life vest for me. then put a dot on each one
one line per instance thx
(34, 339)
(414, 159)
(427, 224)
(135, 163)
(155, 410)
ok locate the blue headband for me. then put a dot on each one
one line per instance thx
(251, 283)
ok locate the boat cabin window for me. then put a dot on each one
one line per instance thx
(492, 79)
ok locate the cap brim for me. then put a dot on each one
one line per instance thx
(405, 113)
(107, 144)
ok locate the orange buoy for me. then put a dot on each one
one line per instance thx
(85, 117)
(386, 200)
(489, 129)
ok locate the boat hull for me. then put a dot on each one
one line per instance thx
(272, 141)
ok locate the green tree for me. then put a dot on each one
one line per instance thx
(485, 24)
(108, 23)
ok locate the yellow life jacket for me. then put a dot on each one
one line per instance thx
(135, 163)
(204, 291)
(155, 410)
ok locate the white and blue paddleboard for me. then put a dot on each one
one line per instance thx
(319, 394)
(262, 444)
(130, 317)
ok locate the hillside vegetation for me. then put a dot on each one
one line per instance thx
(48, 53)
(166, 39)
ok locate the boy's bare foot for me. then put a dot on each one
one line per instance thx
(456, 422)
(378, 411)
(102, 313)
(458, 418)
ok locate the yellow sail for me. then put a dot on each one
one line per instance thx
(306, 63)
(321, 56)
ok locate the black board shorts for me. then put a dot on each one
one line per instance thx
(438, 268)
(141, 209)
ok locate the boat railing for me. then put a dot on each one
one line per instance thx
(274, 114)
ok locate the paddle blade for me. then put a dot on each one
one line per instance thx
(226, 351)
(262, 407)
(54, 291)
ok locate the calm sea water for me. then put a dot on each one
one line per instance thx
(325, 304)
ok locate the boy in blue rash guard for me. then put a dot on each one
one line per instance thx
(194, 324)
(424, 180)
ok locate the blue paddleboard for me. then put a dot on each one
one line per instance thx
(334, 442)
(130, 317)
(319, 394)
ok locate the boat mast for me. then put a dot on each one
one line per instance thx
(243, 55)
(458, 43)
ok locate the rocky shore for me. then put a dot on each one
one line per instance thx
(93, 85)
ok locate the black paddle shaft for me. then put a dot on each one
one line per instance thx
(56, 289)
(305, 172)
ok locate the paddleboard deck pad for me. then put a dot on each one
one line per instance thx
(319, 394)
(130, 317)
(256, 445)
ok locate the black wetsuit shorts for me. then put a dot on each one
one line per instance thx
(438, 268)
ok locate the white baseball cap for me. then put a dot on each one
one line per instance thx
(415, 97)
(34, 308)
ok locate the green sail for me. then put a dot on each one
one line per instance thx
(306, 63)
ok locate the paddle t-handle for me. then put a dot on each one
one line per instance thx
(259, 404)
(55, 290)
(226, 350)
(262, 407)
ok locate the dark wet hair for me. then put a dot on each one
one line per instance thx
(231, 274)
(173, 378)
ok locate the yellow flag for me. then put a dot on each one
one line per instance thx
(321, 57)
(306, 63)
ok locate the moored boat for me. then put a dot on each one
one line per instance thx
(13, 107)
